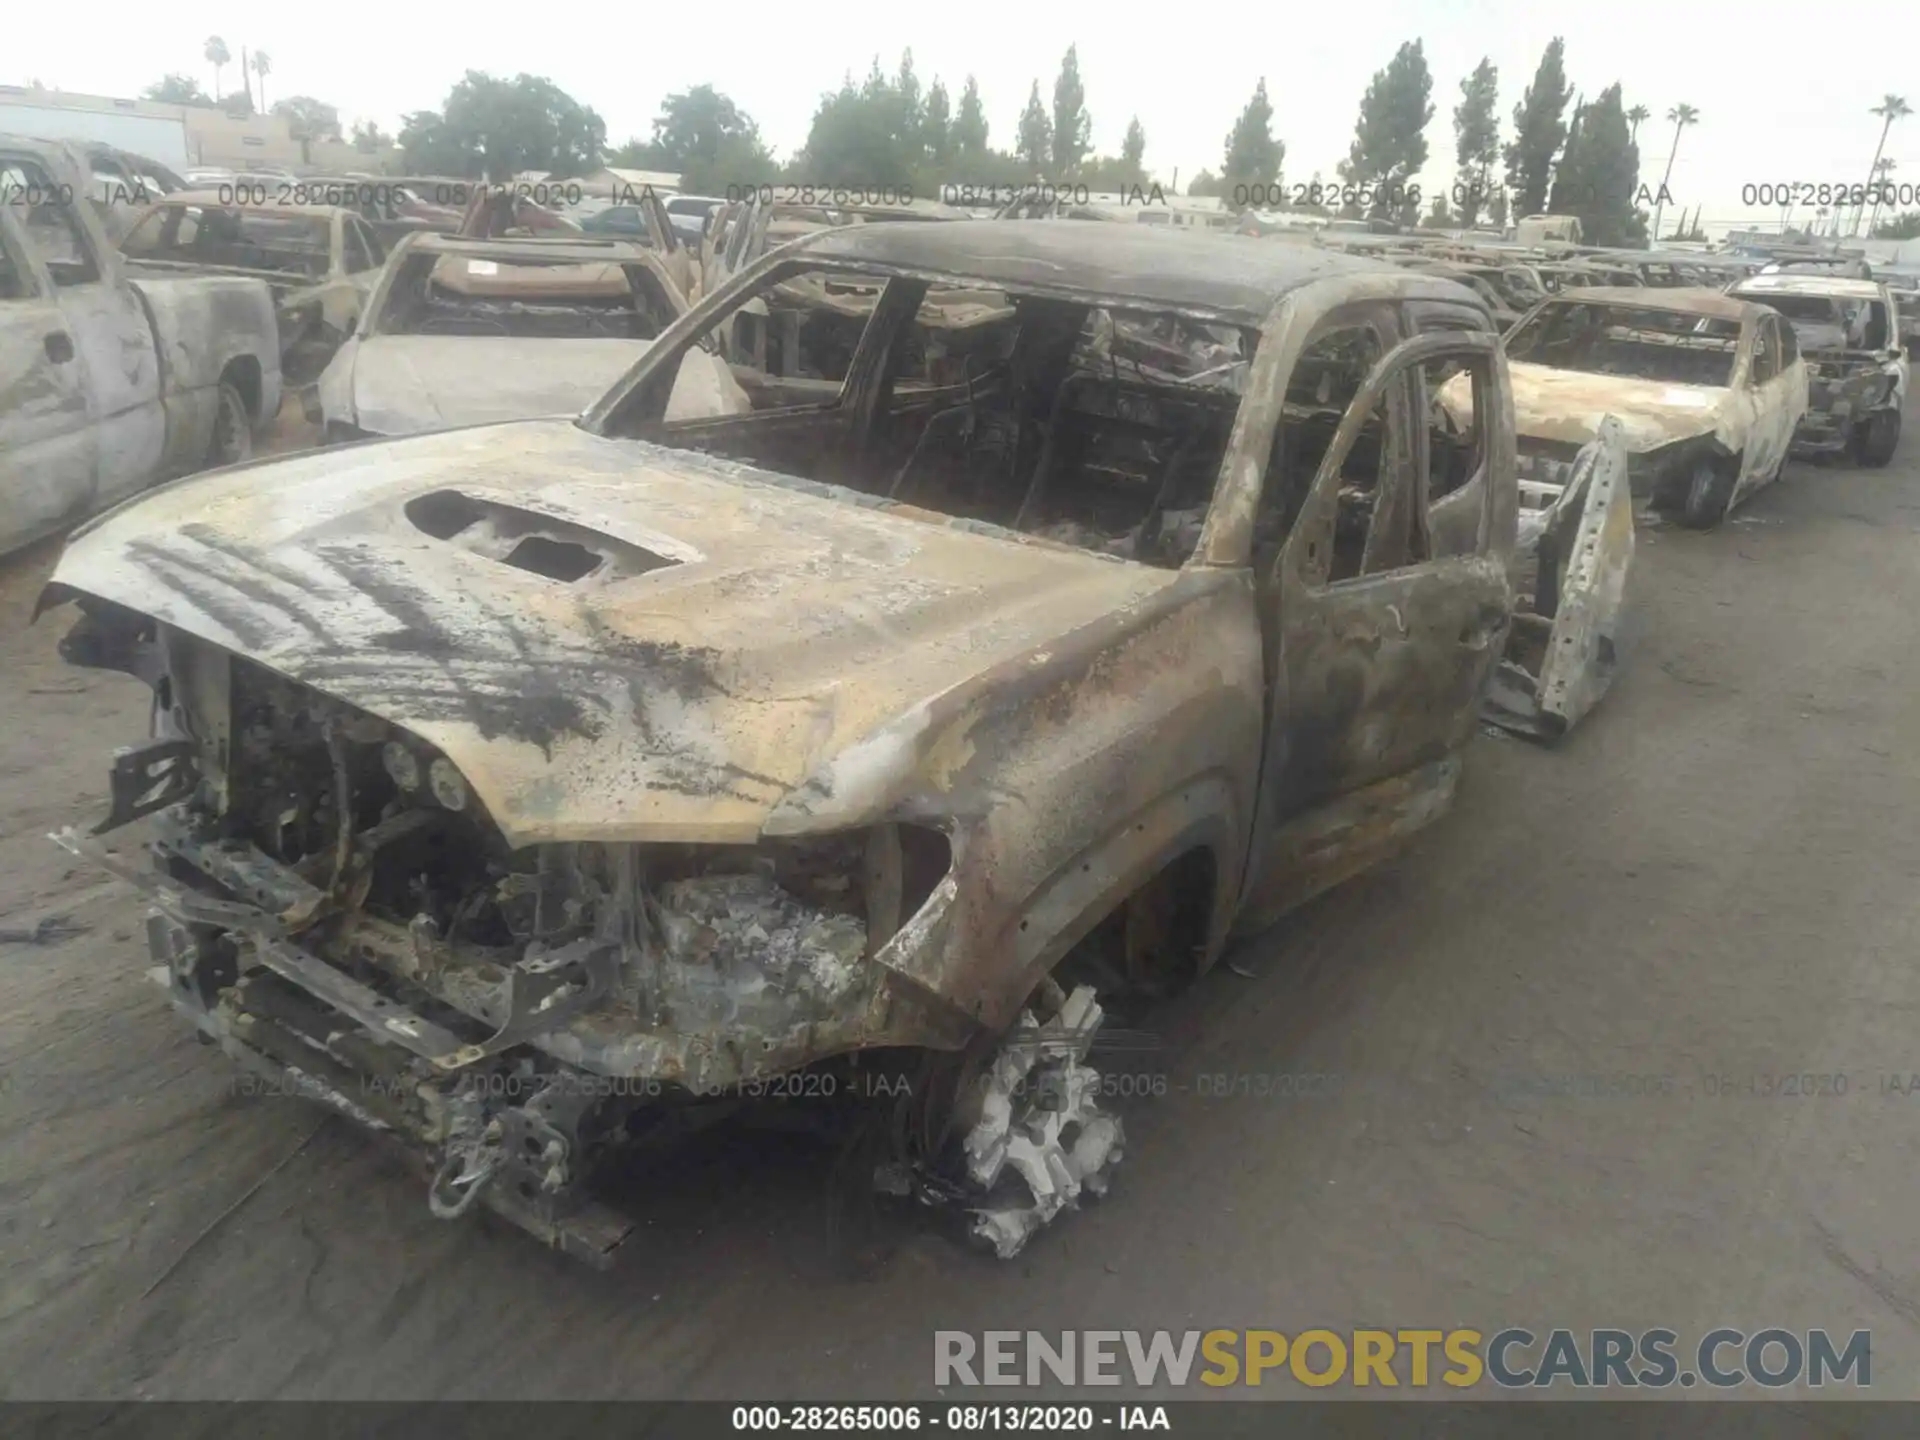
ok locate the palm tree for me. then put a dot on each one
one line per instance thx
(217, 55)
(263, 67)
(1893, 107)
(1882, 173)
(1682, 116)
(1634, 117)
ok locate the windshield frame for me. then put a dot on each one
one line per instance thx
(1740, 358)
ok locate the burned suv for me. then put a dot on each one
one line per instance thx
(1849, 332)
(526, 790)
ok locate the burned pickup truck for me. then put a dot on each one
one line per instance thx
(109, 381)
(319, 260)
(1849, 331)
(523, 790)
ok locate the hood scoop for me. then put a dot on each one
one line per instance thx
(542, 545)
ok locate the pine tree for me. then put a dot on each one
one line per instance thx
(970, 123)
(1072, 126)
(1476, 140)
(1253, 157)
(1538, 131)
(1389, 138)
(1035, 145)
(1599, 174)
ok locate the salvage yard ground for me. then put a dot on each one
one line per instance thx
(1715, 877)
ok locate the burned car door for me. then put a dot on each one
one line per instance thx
(1778, 379)
(1569, 573)
(46, 442)
(1379, 644)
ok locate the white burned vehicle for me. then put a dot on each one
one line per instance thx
(519, 790)
(111, 381)
(1849, 331)
(466, 332)
(1707, 388)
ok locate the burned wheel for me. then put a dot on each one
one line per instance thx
(1876, 438)
(232, 440)
(1013, 1135)
(1709, 489)
(1041, 1140)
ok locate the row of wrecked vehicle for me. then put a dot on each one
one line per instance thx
(931, 639)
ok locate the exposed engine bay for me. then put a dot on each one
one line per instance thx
(334, 907)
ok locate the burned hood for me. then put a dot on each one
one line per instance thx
(611, 640)
(404, 384)
(1567, 406)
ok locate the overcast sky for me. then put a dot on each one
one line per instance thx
(1778, 101)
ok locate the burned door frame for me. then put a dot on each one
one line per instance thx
(1375, 681)
(1765, 451)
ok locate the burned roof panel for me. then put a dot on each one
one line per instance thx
(1228, 274)
(1811, 282)
(1686, 299)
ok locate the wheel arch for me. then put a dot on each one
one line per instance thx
(1196, 823)
(244, 373)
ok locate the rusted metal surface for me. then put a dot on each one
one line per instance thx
(108, 382)
(677, 753)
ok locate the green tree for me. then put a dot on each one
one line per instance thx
(367, 137)
(1497, 209)
(1204, 183)
(936, 125)
(1072, 125)
(1555, 190)
(1035, 144)
(217, 55)
(1133, 154)
(1599, 174)
(970, 124)
(427, 147)
(867, 135)
(1389, 139)
(1253, 157)
(1476, 139)
(1634, 117)
(263, 67)
(496, 128)
(1539, 130)
(699, 124)
(1899, 227)
(906, 88)
(704, 138)
(308, 120)
(1682, 116)
(177, 90)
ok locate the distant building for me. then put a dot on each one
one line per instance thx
(183, 136)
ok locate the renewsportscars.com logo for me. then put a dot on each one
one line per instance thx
(1514, 1358)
